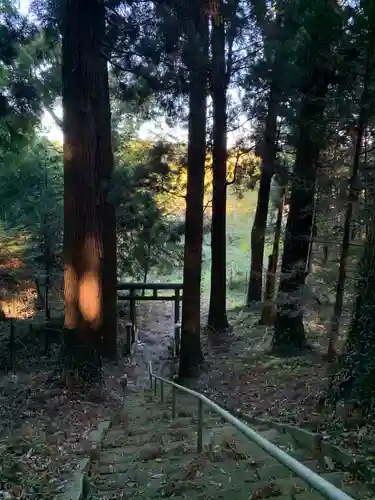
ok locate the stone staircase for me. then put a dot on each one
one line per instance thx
(147, 455)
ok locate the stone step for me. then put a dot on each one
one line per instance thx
(228, 438)
(146, 452)
(222, 440)
(150, 456)
(147, 408)
(129, 461)
(149, 426)
(220, 482)
(167, 431)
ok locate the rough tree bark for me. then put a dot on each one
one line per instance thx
(353, 196)
(269, 151)
(109, 325)
(313, 233)
(254, 293)
(354, 374)
(217, 315)
(289, 333)
(84, 186)
(105, 167)
(191, 352)
(268, 307)
(47, 254)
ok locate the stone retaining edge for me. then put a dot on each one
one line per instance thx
(315, 442)
(77, 488)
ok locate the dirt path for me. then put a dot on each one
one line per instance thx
(155, 343)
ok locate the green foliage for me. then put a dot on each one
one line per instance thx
(147, 237)
(19, 102)
(31, 208)
(31, 193)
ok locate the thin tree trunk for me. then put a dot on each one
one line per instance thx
(217, 315)
(268, 308)
(47, 269)
(47, 310)
(278, 227)
(254, 293)
(39, 294)
(190, 351)
(353, 196)
(289, 333)
(84, 205)
(312, 236)
(46, 249)
(353, 375)
(147, 262)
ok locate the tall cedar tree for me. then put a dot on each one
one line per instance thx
(268, 153)
(254, 293)
(359, 133)
(88, 162)
(105, 166)
(196, 59)
(354, 377)
(268, 308)
(323, 30)
(217, 316)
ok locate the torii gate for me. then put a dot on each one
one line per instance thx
(138, 291)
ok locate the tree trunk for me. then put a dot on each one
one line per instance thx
(47, 310)
(217, 315)
(353, 196)
(84, 189)
(40, 303)
(354, 375)
(313, 235)
(46, 250)
(147, 262)
(289, 333)
(190, 351)
(268, 308)
(109, 325)
(254, 293)
(105, 168)
(47, 270)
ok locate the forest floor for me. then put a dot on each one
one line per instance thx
(241, 374)
(44, 426)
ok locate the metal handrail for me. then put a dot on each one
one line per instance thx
(316, 482)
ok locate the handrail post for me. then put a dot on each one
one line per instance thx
(128, 328)
(200, 427)
(132, 313)
(173, 402)
(177, 337)
(150, 374)
(176, 306)
(155, 386)
(311, 478)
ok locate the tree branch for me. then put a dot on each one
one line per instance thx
(229, 183)
(53, 115)
(207, 205)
